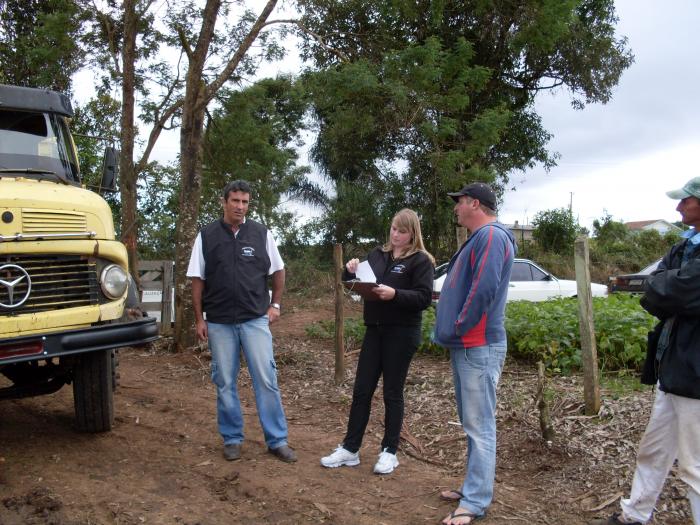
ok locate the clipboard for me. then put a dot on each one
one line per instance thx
(363, 289)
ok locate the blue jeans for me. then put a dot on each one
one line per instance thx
(476, 372)
(255, 340)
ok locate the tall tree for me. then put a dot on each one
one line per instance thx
(198, 94)
(172, 95)
(129, 41)
(39, 42)
(458, 81)
(253, 136)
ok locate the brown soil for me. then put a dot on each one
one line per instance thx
(162, 462)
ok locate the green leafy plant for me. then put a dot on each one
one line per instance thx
(549, 331)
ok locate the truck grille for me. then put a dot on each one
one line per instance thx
(52, 221)
(57, 282)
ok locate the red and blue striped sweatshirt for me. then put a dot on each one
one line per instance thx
(472, 304)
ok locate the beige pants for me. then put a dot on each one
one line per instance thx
(673, 433)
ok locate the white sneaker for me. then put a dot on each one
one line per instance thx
(386, 463)
(340, 457)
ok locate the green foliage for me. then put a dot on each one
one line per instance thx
(555, 230)
(353, 331)
(158, 193)
(39, 42)
(308, 266)
(448, 89)
(253, 137)
(615, 249)
(549, 331)
(427, 346)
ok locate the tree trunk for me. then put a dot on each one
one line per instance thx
(128, 186)
(197, 96)
(191, 135)
(190, 192)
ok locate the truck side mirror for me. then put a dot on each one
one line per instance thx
(110, 170)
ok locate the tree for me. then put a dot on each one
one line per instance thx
(198, 94)
(131, 51)
(252, 136)
(608, 231)
(39, 42)
(555, 230)
(448, 89)
(129, 41)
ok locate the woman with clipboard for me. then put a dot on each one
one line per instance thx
(404, 271)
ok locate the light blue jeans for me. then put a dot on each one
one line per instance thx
(255, 340)
(476, 372)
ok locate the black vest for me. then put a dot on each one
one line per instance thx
(235, 288)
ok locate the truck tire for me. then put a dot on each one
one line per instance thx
(93, 392)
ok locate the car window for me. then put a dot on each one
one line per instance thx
(538, 275)
(441, 270)
(521, 272)
(650, 268)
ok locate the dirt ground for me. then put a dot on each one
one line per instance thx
(162, 462)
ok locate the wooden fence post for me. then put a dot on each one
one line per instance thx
(589, 354)
(167, 305)
(339, 316)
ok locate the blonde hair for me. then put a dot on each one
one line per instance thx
(408, 220)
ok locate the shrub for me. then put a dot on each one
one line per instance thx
(555, 230)
(549, 331)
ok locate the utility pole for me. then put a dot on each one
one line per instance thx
(571, 202)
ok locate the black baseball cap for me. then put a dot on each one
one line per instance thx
(479, 191)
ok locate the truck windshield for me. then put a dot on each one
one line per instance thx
(38, 145)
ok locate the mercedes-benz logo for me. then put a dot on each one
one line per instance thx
(11, 276)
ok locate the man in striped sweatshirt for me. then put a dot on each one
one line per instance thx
(470, 323)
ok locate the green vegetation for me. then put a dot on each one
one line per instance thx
(548, 331)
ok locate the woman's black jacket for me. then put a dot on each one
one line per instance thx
(411, 277)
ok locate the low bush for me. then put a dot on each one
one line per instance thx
(546, 331)
(549, 331)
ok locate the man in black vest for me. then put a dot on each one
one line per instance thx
(229, 266)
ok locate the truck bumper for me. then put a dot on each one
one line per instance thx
(103, 337)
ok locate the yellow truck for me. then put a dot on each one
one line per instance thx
(64, 282)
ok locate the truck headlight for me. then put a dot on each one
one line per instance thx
(114, 281)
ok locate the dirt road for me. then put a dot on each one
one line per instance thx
(162, 463)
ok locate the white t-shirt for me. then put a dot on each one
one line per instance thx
(196, 266)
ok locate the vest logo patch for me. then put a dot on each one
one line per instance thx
(248, 251)
(399, 268)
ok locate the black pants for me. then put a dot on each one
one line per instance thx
(386, 350)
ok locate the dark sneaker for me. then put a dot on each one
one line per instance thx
(232, 452)
(284, 453)
(615, 519)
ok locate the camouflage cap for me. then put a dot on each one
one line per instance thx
(691, 189)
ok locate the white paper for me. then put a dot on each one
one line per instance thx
(364, 273)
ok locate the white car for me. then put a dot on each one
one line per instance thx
(528, 282)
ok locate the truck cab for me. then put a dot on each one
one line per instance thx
(64, 282)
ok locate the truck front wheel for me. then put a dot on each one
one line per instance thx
(93, 392)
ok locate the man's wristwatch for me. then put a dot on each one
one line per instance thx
(276, 306)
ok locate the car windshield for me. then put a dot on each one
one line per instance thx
(36, 144)
(647, 270)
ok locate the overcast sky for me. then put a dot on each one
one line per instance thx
(621, 157)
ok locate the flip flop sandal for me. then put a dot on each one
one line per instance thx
(455, 495)
(473, 517)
